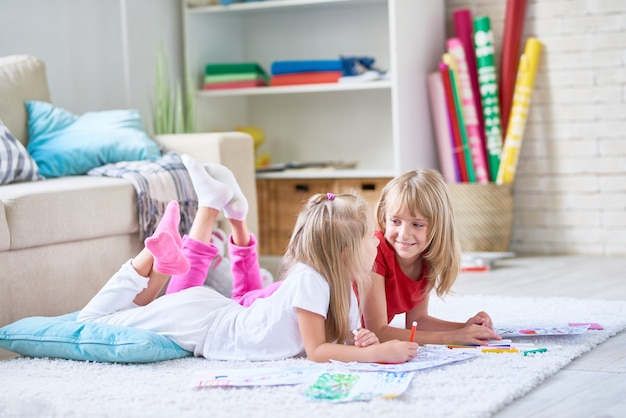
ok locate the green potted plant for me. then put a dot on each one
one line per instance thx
(173, 112)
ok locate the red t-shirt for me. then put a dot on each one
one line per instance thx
(402, 293)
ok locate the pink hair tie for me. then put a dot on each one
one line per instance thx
(330, 196)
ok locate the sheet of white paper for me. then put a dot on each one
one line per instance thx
(324, 383)
(358, 386)
(509, 332)
(427, 357)
(256, 376)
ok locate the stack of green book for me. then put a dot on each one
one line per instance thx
(234, 75)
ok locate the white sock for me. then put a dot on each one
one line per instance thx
(211, 193)
(237, 207)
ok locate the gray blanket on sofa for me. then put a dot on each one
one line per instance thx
(156, 183)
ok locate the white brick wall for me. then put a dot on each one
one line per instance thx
(570, 186)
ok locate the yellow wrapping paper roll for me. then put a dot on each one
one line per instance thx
(527, 70)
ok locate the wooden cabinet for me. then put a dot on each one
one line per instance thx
(280, 201)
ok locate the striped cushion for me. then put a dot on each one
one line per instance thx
(16, 164)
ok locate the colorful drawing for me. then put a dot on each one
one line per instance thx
(339, 381)
(332, 387)
(358, 386)
(320, 382)
(541, 331)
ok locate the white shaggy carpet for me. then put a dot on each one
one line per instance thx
(475, 388)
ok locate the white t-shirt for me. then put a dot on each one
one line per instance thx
(213, 326)
(268, 329)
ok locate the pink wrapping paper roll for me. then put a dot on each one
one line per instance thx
(464, 30)
(443, 129)
(470, 112)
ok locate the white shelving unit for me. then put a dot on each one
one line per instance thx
(384, 126)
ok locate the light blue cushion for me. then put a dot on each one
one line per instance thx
(64, 144)
(64, 337)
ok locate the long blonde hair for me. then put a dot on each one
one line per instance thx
(328, 236)
(425, 191)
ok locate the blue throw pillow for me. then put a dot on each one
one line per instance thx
(64, 337)
(64, 144)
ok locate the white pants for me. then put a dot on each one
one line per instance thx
(184, 317)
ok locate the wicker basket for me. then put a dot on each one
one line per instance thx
(484, 216)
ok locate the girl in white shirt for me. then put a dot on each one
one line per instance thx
(331, 251)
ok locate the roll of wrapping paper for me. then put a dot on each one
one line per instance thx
(524, 85)
(457, 148)
(450, 61)
(469, 165)
(511, 47)
(443, 128)
(464, 30)
(477, 148)
(487, 79)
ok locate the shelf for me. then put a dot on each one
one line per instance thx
(269, 5)
(302, 88)
(326, 174)
(384, 125)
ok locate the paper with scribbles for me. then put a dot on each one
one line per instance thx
(358, 386)
(508, 332)
(323, 383)
(427, 357)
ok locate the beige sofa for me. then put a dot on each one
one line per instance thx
(61, 239)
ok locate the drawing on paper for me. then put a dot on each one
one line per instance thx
(506, 332)
(358, 386)
(332, 387)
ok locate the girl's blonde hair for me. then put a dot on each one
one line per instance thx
(329, 236)
(425, 191)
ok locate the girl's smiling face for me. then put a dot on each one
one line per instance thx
(407, 234)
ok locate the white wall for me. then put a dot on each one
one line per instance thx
(570, 187)
(99, 54)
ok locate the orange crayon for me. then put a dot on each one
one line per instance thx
(413, 328)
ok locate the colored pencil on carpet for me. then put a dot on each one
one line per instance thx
(500, 350)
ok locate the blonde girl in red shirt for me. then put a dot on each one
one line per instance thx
(418, 253)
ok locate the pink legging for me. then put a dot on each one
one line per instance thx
(247, 285)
